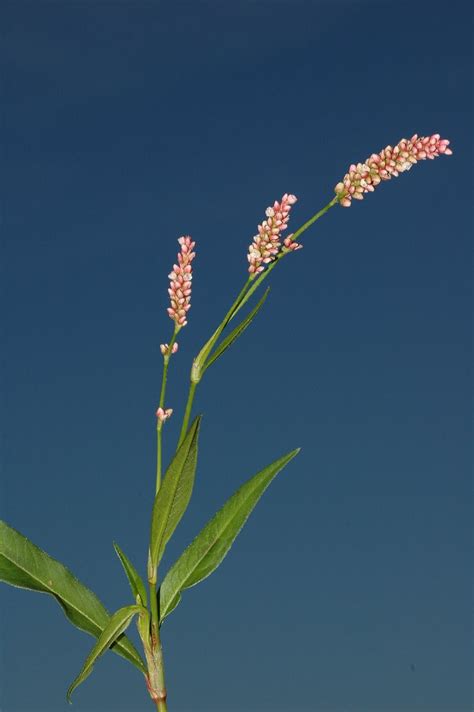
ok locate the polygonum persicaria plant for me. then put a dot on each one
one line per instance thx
(25, 565)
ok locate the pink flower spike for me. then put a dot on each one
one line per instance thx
(164, 414)
(389, 163)
(180, 283)
(266, 244)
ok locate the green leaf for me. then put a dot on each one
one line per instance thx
(211, 545)
(174, 494)
(24, 565)
(117, 624)
(136, 583)
(234, 335)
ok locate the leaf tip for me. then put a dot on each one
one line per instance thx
(196, 426)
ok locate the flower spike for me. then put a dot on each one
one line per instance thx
(389, 163)
(266, 244)
(180, 283)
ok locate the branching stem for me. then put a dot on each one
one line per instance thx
(250, 286)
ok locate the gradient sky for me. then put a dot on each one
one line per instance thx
(127, 124)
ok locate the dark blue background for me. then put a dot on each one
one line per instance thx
(127, 124)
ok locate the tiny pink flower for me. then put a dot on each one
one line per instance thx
(164, 414)
(180, 283)
(290, 244)
(165, 349)
(266, 244)
(389, 163)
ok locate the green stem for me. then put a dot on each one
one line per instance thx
(187, 412)
(153, 606)
(159, 424)
(157, 650)
(159, 427)
(204, 354)
(315, 217)
(155, 622)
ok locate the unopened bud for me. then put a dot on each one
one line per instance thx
(164, 414)
(165, 349)
(291, 244)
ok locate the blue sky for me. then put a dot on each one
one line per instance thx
(127, 125)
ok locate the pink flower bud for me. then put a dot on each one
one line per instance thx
(165, 349)
(164, 414)
(291, 244)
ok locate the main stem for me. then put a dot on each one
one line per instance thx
(157, 651)
(245, 293)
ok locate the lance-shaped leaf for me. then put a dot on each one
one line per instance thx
(117, 624)
(174, 494)
(211, 545)
(25, 565)
(234, 335)
(136, 583)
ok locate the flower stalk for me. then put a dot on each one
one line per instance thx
(163, 414)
